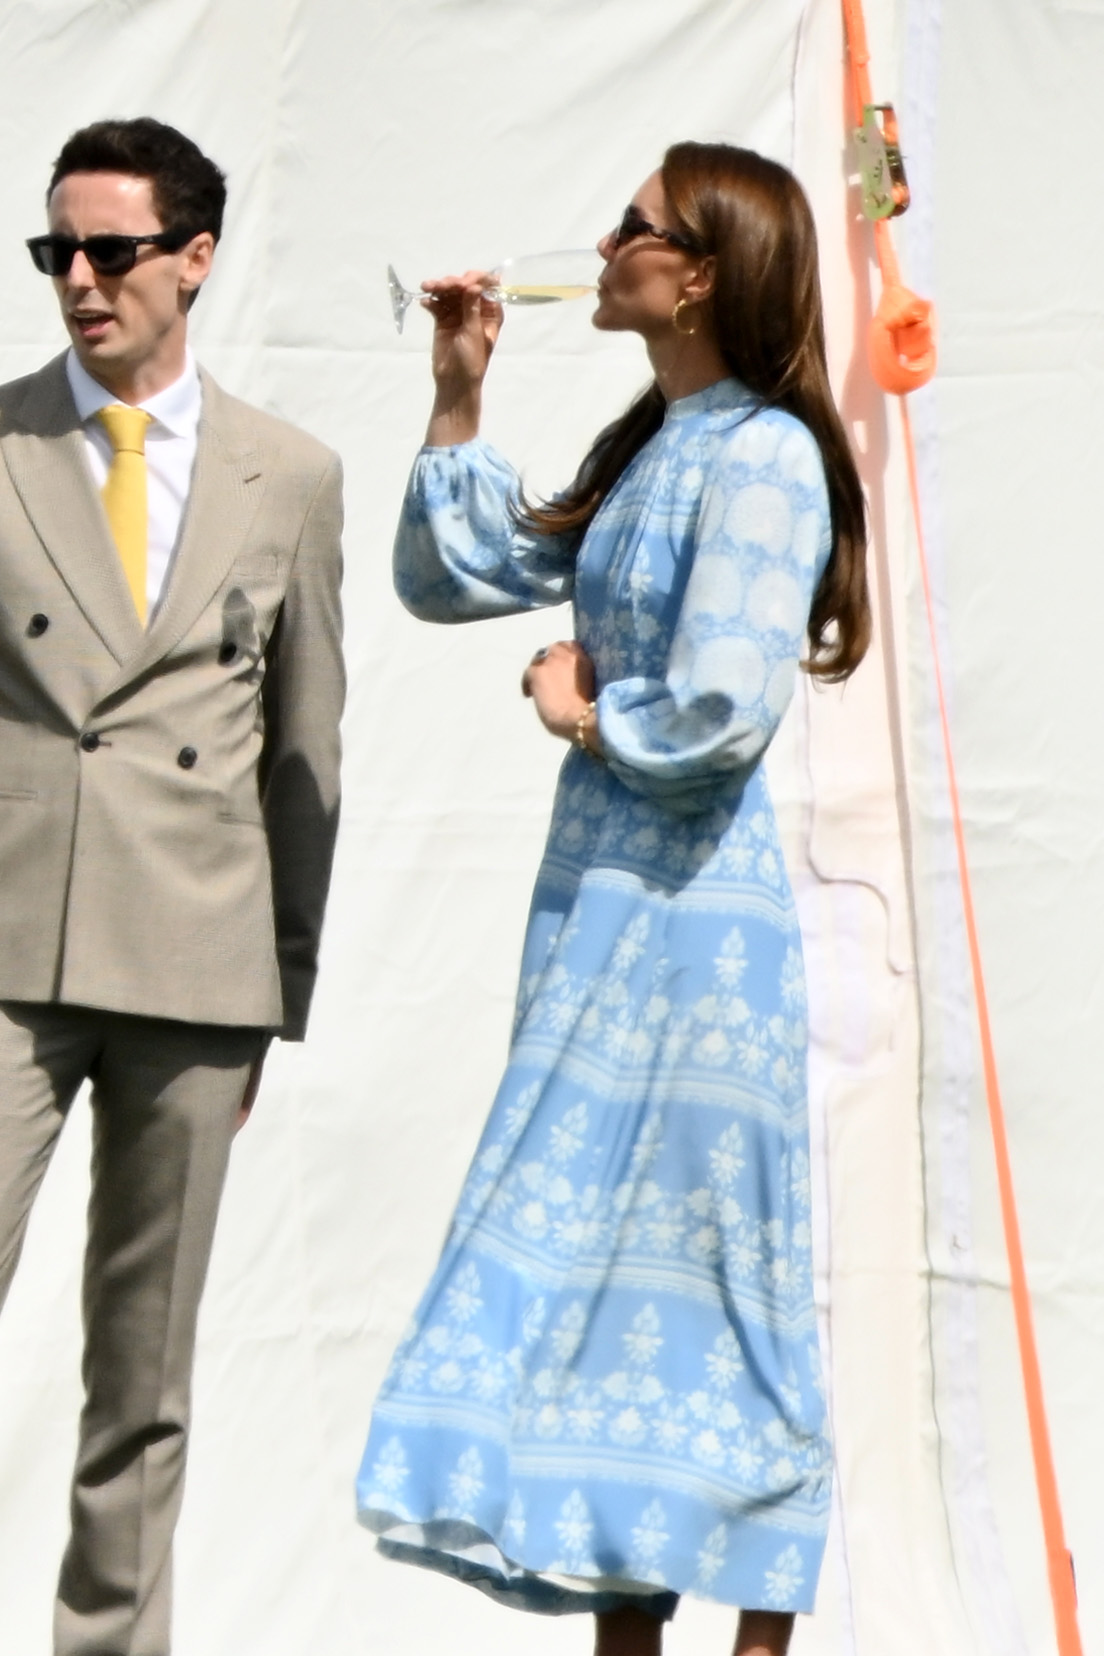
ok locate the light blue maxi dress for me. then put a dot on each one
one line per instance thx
(611, 1392)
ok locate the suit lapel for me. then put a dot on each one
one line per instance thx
(43, 448)
(227, 486)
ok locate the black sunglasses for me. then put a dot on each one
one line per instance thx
(633, 224)
(109, 254)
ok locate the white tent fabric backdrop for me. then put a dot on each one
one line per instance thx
(444, 132)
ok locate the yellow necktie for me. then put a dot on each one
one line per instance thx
(124, 494)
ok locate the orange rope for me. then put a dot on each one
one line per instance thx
(1059, 1560)
(898, 319)
(902, 333)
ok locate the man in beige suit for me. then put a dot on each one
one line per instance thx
(170, 688)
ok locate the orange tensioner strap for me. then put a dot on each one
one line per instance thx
(902, 334)
(902, 357)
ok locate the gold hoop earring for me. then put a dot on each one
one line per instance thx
(683, 304)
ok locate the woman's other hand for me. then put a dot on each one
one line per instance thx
(466, 326)
(561, 681)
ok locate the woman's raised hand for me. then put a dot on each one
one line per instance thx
(466, 326)
(561, 680)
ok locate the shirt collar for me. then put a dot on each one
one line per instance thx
(176, 409)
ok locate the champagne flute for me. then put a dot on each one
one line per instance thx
(528, 279)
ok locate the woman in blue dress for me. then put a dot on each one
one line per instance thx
(610, 1394)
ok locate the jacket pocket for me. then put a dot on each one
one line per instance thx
(258, 566)
(240, 819)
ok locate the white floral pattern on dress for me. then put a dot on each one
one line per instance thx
(389, 1473)
(466, 1482)
(614, 1372)
(711, 1559)
(574, 1529)
(783, 1581)
(649, 1537)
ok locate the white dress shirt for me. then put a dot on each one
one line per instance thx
(170, 458)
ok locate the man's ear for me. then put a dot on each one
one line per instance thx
(198, 255)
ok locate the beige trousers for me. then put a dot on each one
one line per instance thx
(165, 1097)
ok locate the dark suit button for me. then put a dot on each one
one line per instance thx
(226, 654)
(37, 625)
(90, 741)
(186, 758)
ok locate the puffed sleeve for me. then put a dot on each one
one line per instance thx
(459, 555)
(762, 540)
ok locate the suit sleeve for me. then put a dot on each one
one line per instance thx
(304, 692)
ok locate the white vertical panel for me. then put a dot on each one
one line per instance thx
(1009, 475)
(891, 1566)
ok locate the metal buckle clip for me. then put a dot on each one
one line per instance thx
(885, 191)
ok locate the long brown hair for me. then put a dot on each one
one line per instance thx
(765, 309)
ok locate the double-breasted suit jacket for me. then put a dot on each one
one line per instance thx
(168, 795)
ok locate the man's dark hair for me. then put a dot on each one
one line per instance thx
(189, 191)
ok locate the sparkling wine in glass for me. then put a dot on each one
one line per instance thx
(528, 279)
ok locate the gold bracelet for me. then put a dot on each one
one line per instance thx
(580, 728)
